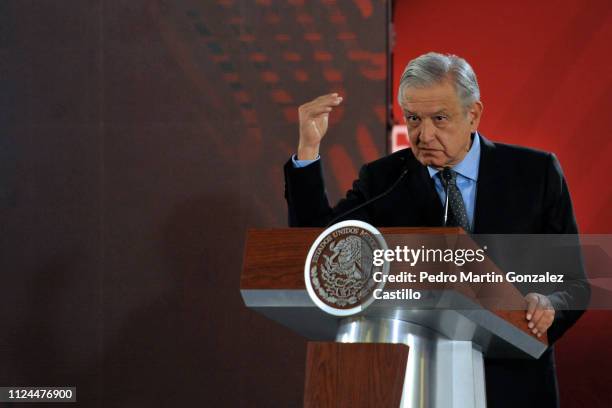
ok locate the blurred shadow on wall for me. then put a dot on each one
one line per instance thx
(196, 344)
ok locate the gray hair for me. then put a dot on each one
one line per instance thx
(433, 68)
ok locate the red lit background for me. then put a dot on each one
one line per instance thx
(546, 82)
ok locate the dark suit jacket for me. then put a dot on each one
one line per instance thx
(519, 191)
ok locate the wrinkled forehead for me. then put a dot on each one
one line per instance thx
(430, 99)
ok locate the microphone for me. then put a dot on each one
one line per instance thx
(371, 200)
(446, 176)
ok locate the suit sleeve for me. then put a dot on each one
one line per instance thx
(307, 199)
(571, 298)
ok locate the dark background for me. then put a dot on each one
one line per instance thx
(139, 139)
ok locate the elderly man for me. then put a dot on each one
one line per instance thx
(492, 187)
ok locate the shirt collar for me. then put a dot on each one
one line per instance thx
(468, 167)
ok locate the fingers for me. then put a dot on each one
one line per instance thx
(320, 105)
(332, 99)
(317, 111)
(537, 321)
(540, 313)
(545, 322)
(532, 303)
(537, 315)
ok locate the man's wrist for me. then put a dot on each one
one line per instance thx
(307, 153)
(302, 163)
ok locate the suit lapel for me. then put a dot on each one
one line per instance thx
(487, 190)
(431, 206)
(419, 191)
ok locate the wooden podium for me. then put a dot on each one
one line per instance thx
(392, 354)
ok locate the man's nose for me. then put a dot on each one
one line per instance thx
(427, 133)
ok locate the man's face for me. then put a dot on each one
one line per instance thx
(439, 126)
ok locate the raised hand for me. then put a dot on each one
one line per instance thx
(314, 118)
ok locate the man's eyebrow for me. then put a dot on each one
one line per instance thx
(440, 112)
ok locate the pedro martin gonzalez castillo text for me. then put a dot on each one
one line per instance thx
(414, 257)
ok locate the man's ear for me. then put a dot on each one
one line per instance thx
(475, 114)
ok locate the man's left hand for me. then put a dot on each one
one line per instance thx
(540, 313)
